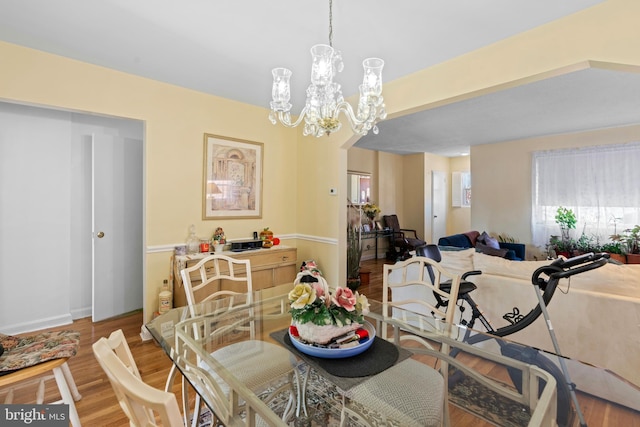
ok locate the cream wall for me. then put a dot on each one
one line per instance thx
(501, 201)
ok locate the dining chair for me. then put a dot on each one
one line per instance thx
(466, 287)
(26, 358)
(411, 392)
(218, 277)
(139, 401)
(412, 285)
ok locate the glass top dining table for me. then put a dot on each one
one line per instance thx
(483, 379)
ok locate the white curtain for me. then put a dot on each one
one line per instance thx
(600, 184)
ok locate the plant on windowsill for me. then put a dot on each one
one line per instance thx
(558, 246)
(630, 240)
(564, 245)
(615, 251)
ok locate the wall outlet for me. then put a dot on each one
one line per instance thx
(333, 191)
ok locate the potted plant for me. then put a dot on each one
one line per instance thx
(632, 237)
(561, 246)
(588, 243)
(564, 245)
(566, 219)
(354, 247)
(615, 251)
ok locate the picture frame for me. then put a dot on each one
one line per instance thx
(366, 228)
(232, 178)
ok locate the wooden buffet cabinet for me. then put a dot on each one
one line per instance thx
(269, 267)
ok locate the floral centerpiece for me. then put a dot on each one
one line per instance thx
(320, 315)
(219, 237)
(371, 210)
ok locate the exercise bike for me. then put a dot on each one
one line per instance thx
(545, 281)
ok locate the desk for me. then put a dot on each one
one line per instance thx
(269, 312)
(376, 234)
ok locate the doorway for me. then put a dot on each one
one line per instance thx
(439, 205)
(45, 214)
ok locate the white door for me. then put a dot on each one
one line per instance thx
(117, 226)
(439, 205)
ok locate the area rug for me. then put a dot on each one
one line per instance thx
(324, 404)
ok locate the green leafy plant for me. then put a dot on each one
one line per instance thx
(613, 248)
(565, 218)
(567, 221)
(630, 238)
(588, 243)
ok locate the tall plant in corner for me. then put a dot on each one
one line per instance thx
(354, 246)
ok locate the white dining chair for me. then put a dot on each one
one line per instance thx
(411, 392)
(139, 401)
(258, 364)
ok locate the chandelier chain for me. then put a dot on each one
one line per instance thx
(331, 23)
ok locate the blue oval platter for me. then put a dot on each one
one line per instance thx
(336, 353)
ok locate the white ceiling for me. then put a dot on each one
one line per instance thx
(228, 48)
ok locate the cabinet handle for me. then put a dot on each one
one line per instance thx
(284, 258)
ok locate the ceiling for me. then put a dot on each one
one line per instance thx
(228, 48)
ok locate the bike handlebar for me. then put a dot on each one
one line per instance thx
(562, 268)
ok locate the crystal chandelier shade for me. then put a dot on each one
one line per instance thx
(324, 96)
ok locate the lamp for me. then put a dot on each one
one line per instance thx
(324, 96)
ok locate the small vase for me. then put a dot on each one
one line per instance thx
(218, 248)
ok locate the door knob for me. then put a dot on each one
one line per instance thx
(100, 234)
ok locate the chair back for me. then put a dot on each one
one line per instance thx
(215, 277)
(139, 401)
(413, 281)
(392, 222)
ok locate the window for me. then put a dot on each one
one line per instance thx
(600, 184)
(460, 189)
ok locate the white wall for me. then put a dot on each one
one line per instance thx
(45, 214)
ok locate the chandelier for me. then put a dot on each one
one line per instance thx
(324, 96)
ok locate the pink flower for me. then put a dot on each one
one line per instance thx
(321, 288)
(345, 298)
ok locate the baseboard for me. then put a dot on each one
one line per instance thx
(81, 313)
(38, 324)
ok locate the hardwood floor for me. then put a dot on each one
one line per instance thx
(98, 406)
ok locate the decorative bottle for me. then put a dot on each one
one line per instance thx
(165, 298)
(193, 241)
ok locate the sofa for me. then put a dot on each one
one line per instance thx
(595, 315)
(485, 244)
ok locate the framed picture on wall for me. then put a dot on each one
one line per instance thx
(232, 178)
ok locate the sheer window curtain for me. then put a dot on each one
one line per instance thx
(601, 184)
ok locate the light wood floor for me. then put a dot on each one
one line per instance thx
(99, 407)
